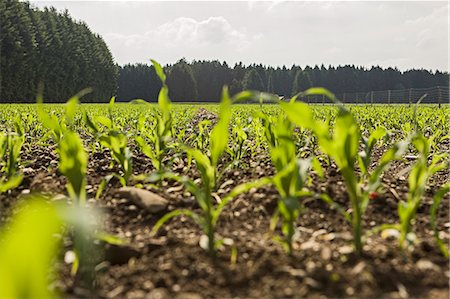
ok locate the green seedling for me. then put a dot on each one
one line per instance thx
(290, 178)
(200, 140)
(207, 166)
(210, 212)
(154, 140)
(417, 181)
(73, 165)
(257, 142)
(239, 147)
(342, 146)
(437, 199)
(10, 148)
(58, 126)
(27, 248)
(32, 239)
(72, 155)
(116, 142)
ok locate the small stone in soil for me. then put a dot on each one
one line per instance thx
(326, 253)
(25, 191)
(69, 257)
(59, 197)
(358, 268)
(350, 291)
(136, 294)
(390, 234)
(188, 295)
(158, 293)
(346, 249)
(150, 201)
(116, 292)
(426, 265)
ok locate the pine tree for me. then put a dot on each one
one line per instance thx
(302, 82)
(50, 48)
(181, 82)
(270, 85)
(252, 81)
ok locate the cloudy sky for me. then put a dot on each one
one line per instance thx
(405, 34)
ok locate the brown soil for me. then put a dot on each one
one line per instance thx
(323, 265)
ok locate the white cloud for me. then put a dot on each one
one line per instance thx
(184, 33)
(405, 34)
(214, 30)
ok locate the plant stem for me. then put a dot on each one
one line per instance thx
(290, 235)
(210, 233)
(357, 230)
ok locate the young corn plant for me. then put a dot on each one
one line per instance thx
(116, 141)
(342, 146)
(10, 147)
(200, 140)
(73, 165)
(57, 126)
(417, 181)
(207, 166)
(31, 240)
(370, 180)
(239, 147)
(437, 199)
(160, 133)
(258, 139)
(290, 177)
(72, 155)
(27, 248)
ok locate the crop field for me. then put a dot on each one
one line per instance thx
(275, 200)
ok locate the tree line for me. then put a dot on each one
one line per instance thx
(203, 80)
(48, 48)
(45, 51)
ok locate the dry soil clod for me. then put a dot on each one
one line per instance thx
(147, 200)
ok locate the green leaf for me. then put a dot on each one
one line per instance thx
(110, 107)
(139, 102)
(394, 153)
(376, 135)
(171, 215)
(71, 109)
(437, 199)
(103, 185)
(303, 169)
(73, 165)
(11, 183)
(300, 114)
(109, 238)
(28, 247)
(321, 91)
(111, 102)
(421, 144)
(164, 101)
(219, 134)
(317, 167)
(346, 139)
(252, 96)
(103, 120)
(159, 71)
(204, 166)
(90, 124)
